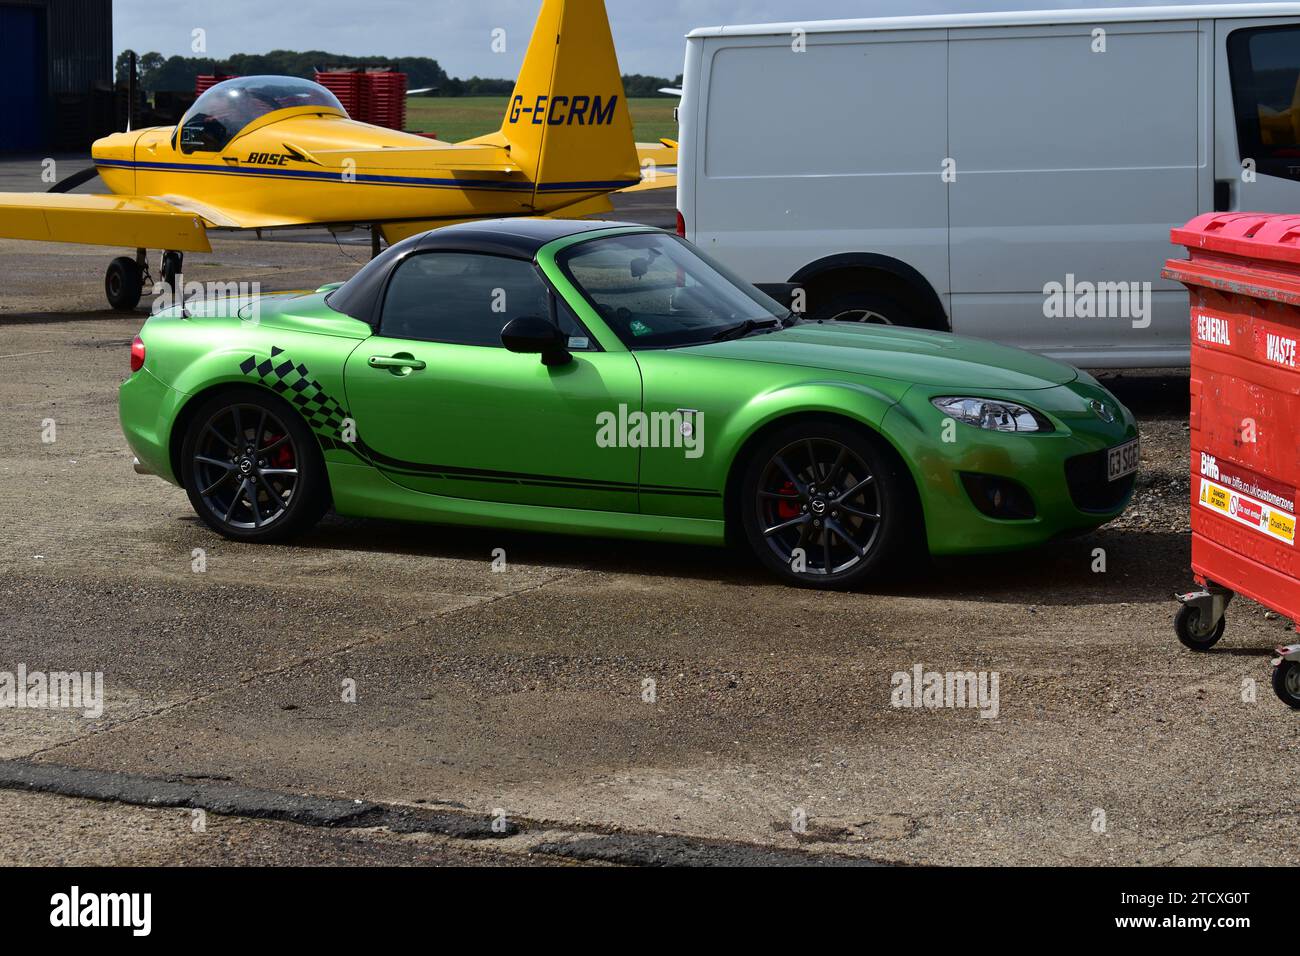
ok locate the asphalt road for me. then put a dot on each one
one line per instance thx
(517, 697)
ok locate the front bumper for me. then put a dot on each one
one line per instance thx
(1063, 471)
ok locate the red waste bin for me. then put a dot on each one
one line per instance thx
(1244, 278)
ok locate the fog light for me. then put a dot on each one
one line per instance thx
(999, 497)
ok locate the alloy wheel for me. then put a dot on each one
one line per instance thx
(245, 467)
(819, 507)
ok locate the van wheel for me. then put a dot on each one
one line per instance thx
(865, 306)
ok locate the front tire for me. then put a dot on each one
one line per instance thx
(123, 284)
(251, 467)
(825, 505)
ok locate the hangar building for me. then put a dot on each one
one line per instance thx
(56, 73)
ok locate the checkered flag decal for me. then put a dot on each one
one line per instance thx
(294, 383)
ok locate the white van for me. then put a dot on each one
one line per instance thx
(1012, 176)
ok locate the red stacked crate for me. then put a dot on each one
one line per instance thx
(386, 98)
(349, 87)
(205, 82)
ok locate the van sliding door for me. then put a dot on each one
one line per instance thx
(1076, 148)
(820, 145)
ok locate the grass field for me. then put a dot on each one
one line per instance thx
(464, 117)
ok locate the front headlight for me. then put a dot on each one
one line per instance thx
(994, 415)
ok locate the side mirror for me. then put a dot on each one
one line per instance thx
(533, 335)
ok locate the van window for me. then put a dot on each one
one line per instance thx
(1265, 66)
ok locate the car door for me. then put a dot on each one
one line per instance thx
(442, 407)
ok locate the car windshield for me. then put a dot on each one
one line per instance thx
(220, 113)
(656, 291)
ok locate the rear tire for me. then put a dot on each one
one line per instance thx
(825, 505)
(252, 468)
(123, 284)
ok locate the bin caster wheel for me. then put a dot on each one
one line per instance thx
(1195, 633)
(1286, 683)
(123, 284)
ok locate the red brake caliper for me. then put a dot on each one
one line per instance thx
(786, 510)
(282, 457)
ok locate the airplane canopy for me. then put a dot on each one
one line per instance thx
(223, 110)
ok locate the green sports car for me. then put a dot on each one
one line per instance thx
(607, 379)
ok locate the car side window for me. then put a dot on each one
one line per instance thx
(460, 298)
(580, 339)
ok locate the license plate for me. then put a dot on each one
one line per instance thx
(1123, 460)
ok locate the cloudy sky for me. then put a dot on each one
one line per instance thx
(457, 33)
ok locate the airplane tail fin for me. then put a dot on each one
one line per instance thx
(567, 122)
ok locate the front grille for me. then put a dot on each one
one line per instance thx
(1089, 487)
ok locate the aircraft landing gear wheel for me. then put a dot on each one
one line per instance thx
(123, 284)
(1196, 632)
(172, 265)
(1286, 683)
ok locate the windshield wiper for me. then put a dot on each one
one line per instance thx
(743, 329)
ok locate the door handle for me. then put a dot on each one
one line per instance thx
(1223, 195)
(400, 364)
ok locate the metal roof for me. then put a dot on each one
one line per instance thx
(1010, 18)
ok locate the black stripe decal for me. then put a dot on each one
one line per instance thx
(454, 473)
(325, 415)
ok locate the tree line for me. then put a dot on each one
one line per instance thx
(176, 74)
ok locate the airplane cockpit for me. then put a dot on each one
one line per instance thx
(224, 110)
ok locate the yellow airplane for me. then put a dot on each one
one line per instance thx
(271, 151)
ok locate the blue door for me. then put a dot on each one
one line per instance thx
(22, 80)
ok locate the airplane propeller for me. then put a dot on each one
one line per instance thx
(70, 183)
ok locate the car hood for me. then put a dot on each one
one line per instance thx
(909, 355)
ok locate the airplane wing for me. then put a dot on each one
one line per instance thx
(660, 181)
(663, 153)
(181, 223)
(658, 166)
(103, 220)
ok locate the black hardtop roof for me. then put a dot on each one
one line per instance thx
(519, 237)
